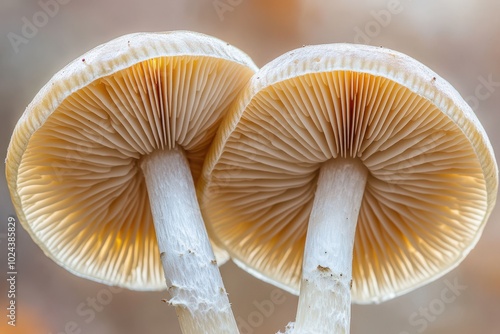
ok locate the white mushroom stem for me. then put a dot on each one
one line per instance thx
(325, 291)
(192, 275)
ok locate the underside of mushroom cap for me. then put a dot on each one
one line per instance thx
(72, 164)
(432, 178)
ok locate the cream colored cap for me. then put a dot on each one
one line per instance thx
(72, 164)
(432, 177)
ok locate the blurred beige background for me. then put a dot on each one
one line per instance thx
(459, 39)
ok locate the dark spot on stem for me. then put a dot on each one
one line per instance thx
(324, 269)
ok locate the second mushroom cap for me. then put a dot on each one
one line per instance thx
(432, 178)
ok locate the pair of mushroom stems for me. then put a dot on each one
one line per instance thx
(325, 291)
(192, 275)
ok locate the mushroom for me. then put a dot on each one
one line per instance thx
(101, 165)
(347, 166)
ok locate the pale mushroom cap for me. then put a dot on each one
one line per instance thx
(72, 164)
(432, 177)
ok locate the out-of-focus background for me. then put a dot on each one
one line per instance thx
(459, 39)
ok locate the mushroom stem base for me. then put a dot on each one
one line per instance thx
(192, 275)
(325, 291)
